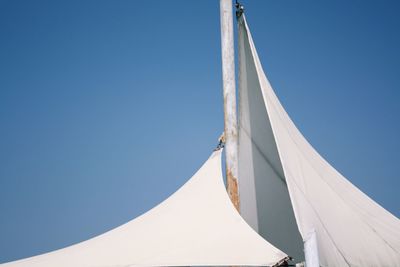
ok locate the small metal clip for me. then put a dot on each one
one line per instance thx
(239, 9)
(221, 142)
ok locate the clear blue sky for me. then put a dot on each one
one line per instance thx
(107, 107)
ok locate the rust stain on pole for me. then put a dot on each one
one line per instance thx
(233, 190)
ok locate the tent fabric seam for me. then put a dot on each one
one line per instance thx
(264, 156)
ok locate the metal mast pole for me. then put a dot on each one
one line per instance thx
(229, 90)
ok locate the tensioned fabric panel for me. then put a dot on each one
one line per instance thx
(196, 226)
(264, 198)
(351, 229)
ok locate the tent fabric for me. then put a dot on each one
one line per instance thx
(350, 228)
(196, 226)
(264, 198)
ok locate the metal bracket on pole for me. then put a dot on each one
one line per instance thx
(221, 142)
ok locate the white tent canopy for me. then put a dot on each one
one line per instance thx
(285, 183)
(264, 197)
(197, 225)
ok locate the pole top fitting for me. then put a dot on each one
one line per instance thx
(239, 9)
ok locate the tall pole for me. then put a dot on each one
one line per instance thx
(229, 90)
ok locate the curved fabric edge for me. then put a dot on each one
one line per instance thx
(264, 198)
(196, 226)
(351, 229)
